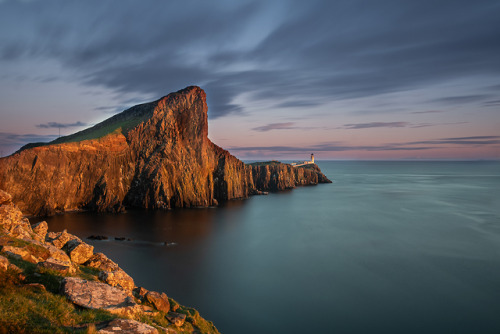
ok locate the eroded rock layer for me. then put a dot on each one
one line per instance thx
(155, 155)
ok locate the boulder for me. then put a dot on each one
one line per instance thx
(15, 268)
(64, 267)
(20, 253)
(4, 262)
(78, 251)
(57, 253)
(5, 198)
(117, 278)
(159, 301)
(140, 293)
(174, 306)
(22, 229)
(102, 262)
(13, 223)
(177, 319)
(127, 326)
(59, 239)
(97, 295)
(40, 229)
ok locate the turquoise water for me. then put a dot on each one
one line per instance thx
(389, 247)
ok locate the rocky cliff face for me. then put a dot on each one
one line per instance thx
(155, 155)
(278, 176)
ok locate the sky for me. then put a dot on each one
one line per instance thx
(381, 79)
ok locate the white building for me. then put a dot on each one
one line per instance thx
(302, 163)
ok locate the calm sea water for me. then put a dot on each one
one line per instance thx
(389, 247)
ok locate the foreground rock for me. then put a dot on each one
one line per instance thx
(96, 295)
(101, 261)
(78, 251)
(63, 267)
(60, 254)
(127, 326)
(59, 239)
(158, 300)
(40, 229)
(177, 319)
(117, 278)
(155, 155)
(4, 263)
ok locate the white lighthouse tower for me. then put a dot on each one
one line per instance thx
(312, 158)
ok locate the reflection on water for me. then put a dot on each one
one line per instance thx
(389, 247)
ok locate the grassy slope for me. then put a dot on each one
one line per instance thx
(265, 163)
(122, 122)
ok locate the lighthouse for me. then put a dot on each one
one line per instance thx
(312, 158)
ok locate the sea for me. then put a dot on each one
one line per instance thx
(388, 247)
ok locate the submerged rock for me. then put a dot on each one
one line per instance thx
(97, 237)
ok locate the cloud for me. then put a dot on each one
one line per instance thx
(111, 109)
(427, 112)
(325, 148)
(10, 142)
(313, 51)
(275, 126)
(298, 104)
(492, 103)
(376, 125)
(50, 125)
(474, 140)
(462, 99)
(393, 125)
(404, 146)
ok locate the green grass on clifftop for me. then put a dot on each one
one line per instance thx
(119, 123)
(265, 163)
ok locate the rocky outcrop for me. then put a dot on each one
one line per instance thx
(177, 319)
(158, 300)
(4, 263)
(276, 176)
(78, 251)
(118, 278)
(96, 282)
(59, 239)
(97, 295)
(101, 261)
(40, 229)
(155, 155)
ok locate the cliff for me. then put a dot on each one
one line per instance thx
(54, 283)
(155, 155)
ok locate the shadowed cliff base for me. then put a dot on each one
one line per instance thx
(155, 155)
